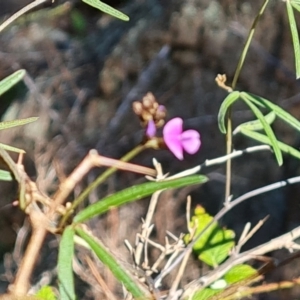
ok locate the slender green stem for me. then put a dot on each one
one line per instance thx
(234, 82)
(247, 45)
(100, 179)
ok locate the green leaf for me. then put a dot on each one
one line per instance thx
(46, 293)
(267, 128)
(295, 36)
(131, 284)
(256, 124)
(239, 273)
(214, 245)
(5, 175)
(204, 294)
(107, 9)
(265, 140)
(14, 123)
(65, 269)
(11, 148)
(295, 5)
(228, 101)
(11, 80)
(134, 193)
(281, 113)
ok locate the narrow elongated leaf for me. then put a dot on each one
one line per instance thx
(228, 101)
(281, 113)
(107, 9)
(11, 80)
(5, 175)
(120, 273)
(14, 123)
(256, 124)
(295, 5)
(267, 128)
(295, 36)
(265, 140)
(11, 148)
(65, 269)
(134, 193)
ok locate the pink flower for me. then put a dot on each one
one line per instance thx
(151, 129)
(178, 140)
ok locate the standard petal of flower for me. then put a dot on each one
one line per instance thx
(172, 137)
(190, 141)
(173, 128)
(151, 129)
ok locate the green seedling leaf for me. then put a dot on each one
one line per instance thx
(107, 9)
(266, 127)
(281, 113)
(236, 275)
(46, 293)
(65, 269)
(256, 125)
(134, 193)
(11, 80)
(228, 101)
(295, 36)
(5, 175)
(205, 294)
(239, 273)
(214, 245)
(131, 284)
(265, 140)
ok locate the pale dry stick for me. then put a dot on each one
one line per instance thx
(145, 227)
(224, 211)
(146, 259)
(246, 236)
(150, 212)
(100, 280)
(219, 160)
(40, 222)
(93, 159)
(21, 12)
(247, 292)
(176, 281)
(275, 244)
(21, 284)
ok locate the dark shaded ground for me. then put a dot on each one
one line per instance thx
(85, 69)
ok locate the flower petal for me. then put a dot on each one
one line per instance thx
(172, 137)
(151, 129)
(175, 147)
(173, 128)
(190, 141)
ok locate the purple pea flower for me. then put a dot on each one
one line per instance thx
(151, 129)
(178, 140)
